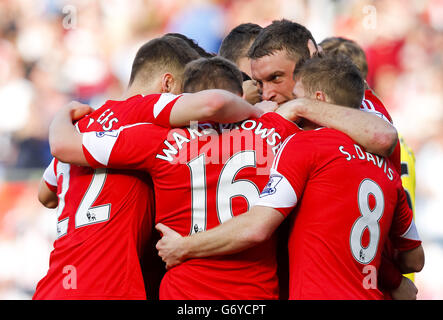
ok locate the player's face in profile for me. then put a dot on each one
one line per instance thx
(274, 76)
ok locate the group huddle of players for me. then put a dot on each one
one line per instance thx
(267, 171)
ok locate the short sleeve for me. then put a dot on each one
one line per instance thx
(50, 176)
(295, 160)
(131, 147)
(289, 174)
(404, 232)
(157, 108)
(278, 194)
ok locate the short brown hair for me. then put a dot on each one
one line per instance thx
(166, 53)
(282, 35)
(192, 43)
(237, 43)
(350, 48)
(212, 73)
(336, 76)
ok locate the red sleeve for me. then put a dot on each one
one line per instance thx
(132, 147)
(51, 187)
(91, 160)
(163, 117)
(389, 277)
(136, 148)
(155, 108)
(395, 158)
(50, 175)
(294, 162)
(403, 232)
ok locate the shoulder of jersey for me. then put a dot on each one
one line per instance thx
(377, 103)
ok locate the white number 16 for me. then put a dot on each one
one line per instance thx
(227, 188)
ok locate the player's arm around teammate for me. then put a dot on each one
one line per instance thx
(368, 130)
(237, 234)
(261, 221)
(207, 105)
(47, 195)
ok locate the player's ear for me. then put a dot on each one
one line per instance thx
(167, 83)
(320, 95)
(312, 48)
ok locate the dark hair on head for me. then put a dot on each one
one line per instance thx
(192, 43)
(336, 76)
(236, 44)
(169, 54)
(350, 48)
(212, 73)
(282, 35)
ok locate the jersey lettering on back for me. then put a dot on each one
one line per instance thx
(203, 176)
(103, 214)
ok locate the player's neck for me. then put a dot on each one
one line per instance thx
(135, 89)
(308, 125)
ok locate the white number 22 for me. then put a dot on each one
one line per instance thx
(85, 214)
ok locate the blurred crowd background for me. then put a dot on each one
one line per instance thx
(55, 51)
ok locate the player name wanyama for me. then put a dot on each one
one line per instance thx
(230, 135)
(372, 158)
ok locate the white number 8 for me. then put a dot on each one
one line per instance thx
(368, 220)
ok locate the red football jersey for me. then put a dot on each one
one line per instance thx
(335, 243)
(371, 103)
(203, 176)
(104, 215)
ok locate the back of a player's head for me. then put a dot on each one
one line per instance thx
(334, 75)
(338, 45)
(192, 43)
(160, 55)
(283, 35)
(212, 73)
(237, 43)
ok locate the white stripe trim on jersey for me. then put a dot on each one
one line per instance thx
(277, 157)
(49, 174)
(162, 102)
(278, 192)
(100, 144)
(368, 106)
(411, 233)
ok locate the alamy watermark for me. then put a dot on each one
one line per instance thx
(70, 280)
(369, 20)
(70, 17)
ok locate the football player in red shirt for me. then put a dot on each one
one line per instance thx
(105, 216)
(371, 103)
(223, 166)
(334, 243)
(202, 176)
(274, 54)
